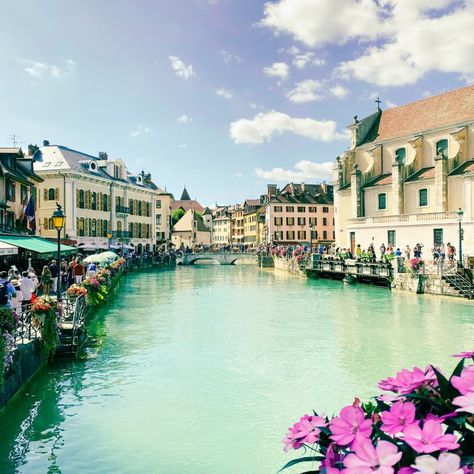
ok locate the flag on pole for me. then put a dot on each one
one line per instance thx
(30, 214)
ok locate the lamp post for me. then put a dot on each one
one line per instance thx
(460, 214)
(58, 222)
(109, 236)
(311, 237)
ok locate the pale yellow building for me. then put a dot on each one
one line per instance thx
(408, 171)
(103, 202)
(190, 230)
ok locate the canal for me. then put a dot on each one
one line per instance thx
(201, 370)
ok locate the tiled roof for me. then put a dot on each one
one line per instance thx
(303, 198)
(382, 180)
(424, 173)
(186, 205)
(451, 108)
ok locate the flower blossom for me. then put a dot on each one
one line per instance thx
(305, 431)
(333, 460)
(465, 386)
(368, 459)
(350, 423)
(447, 463)
(406, 381)
(400, 415)
(464, 355)
(430, 438)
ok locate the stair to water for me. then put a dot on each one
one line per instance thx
(461, 284)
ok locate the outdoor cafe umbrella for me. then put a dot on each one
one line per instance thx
(98, 258)
(110, 255)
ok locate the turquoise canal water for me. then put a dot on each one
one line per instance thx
(201, 370)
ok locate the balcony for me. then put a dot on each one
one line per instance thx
(122, 210)
(121, 234)
(406, 218)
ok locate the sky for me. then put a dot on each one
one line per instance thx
(223, 96)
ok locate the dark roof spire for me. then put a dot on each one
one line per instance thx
(185, 195)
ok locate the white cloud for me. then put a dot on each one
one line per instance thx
(224, 93)
(304, 170)
(306, 91)
(140, 130)
(38, 69)
(315, 22)
(228, 57)
(302, 60)
(339, 91)
(395, 54)
(264, 126)
(311, 90)
(180, 69)
(183, 146)
(389, 104)
(184, 119)
(281, 70)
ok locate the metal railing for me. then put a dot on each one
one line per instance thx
(122, 210)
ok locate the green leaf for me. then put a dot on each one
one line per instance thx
(466, 460)
(300, 460)
(457, 371)
(443, 383)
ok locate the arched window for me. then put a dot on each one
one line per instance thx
(400, 156)
(130, 205)
(81, 227)
(442, 147)
(106, 202)
(139, 208)
(51, 194)
(130, 229)
(94, 201)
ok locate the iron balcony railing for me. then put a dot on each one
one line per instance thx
(122, 210)
(121, 234)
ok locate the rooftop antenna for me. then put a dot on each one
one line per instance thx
(378, 101)
(14, 139)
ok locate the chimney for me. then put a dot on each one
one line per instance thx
(45, 142)
(271, 190)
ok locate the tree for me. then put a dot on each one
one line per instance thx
(176, 215)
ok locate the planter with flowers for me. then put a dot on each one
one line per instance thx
(425, 425)
(74, 291)
(44, 314)
(96, 291)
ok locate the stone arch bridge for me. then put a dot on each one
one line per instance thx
(221, 257)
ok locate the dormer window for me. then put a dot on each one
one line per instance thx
(400, 156)
(442, 148)
(93, 166)
(139, 179)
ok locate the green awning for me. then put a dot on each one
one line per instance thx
(36, 244)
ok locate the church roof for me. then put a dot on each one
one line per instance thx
(451, 108)
(185, 195)
(206, 211)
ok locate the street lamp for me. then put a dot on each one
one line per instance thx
(109, 236)
(460, 214)
(311, 236)
(58, 222)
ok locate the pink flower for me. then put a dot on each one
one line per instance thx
(447, 463)
(464, 355)
(305, 431)
(406, 381)
(406, 470)
(430, 438)
(333, 461)
(350, 422)
(465, 382)
(366, 459)
(400, 415)
(466, 402)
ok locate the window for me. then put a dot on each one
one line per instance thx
(81, 199)
(290, 209)
(106, 202)
(301, 221)
(278, 209)
(278, 220)
(313, 221)
(131, 207)
(290, 235)
(325, 234)
(301, 235)
(140, 208)
(119, 226)
(442, 148)
(11, 190)
(313, 209)
(325, 210)
(423, 197)
(158, 219)
(400, 156)
(438, 236)
(158, 203)
(290, 221)
(52, 194)
(301, 209)
(94, 201)
(23, 193)
(81, 227)
(325, 221)
(382, 201)
(391, 237)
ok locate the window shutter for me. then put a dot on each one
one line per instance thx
(45, 223)
(45, 194)
(77, 197)
(56, 194)
(86, 225)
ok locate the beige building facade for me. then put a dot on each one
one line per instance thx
(104, 203)
(221, 230)
(408, 172)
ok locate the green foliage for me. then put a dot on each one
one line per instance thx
(49, 332)
(7, 324)
(176, 215)
(3, 350)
